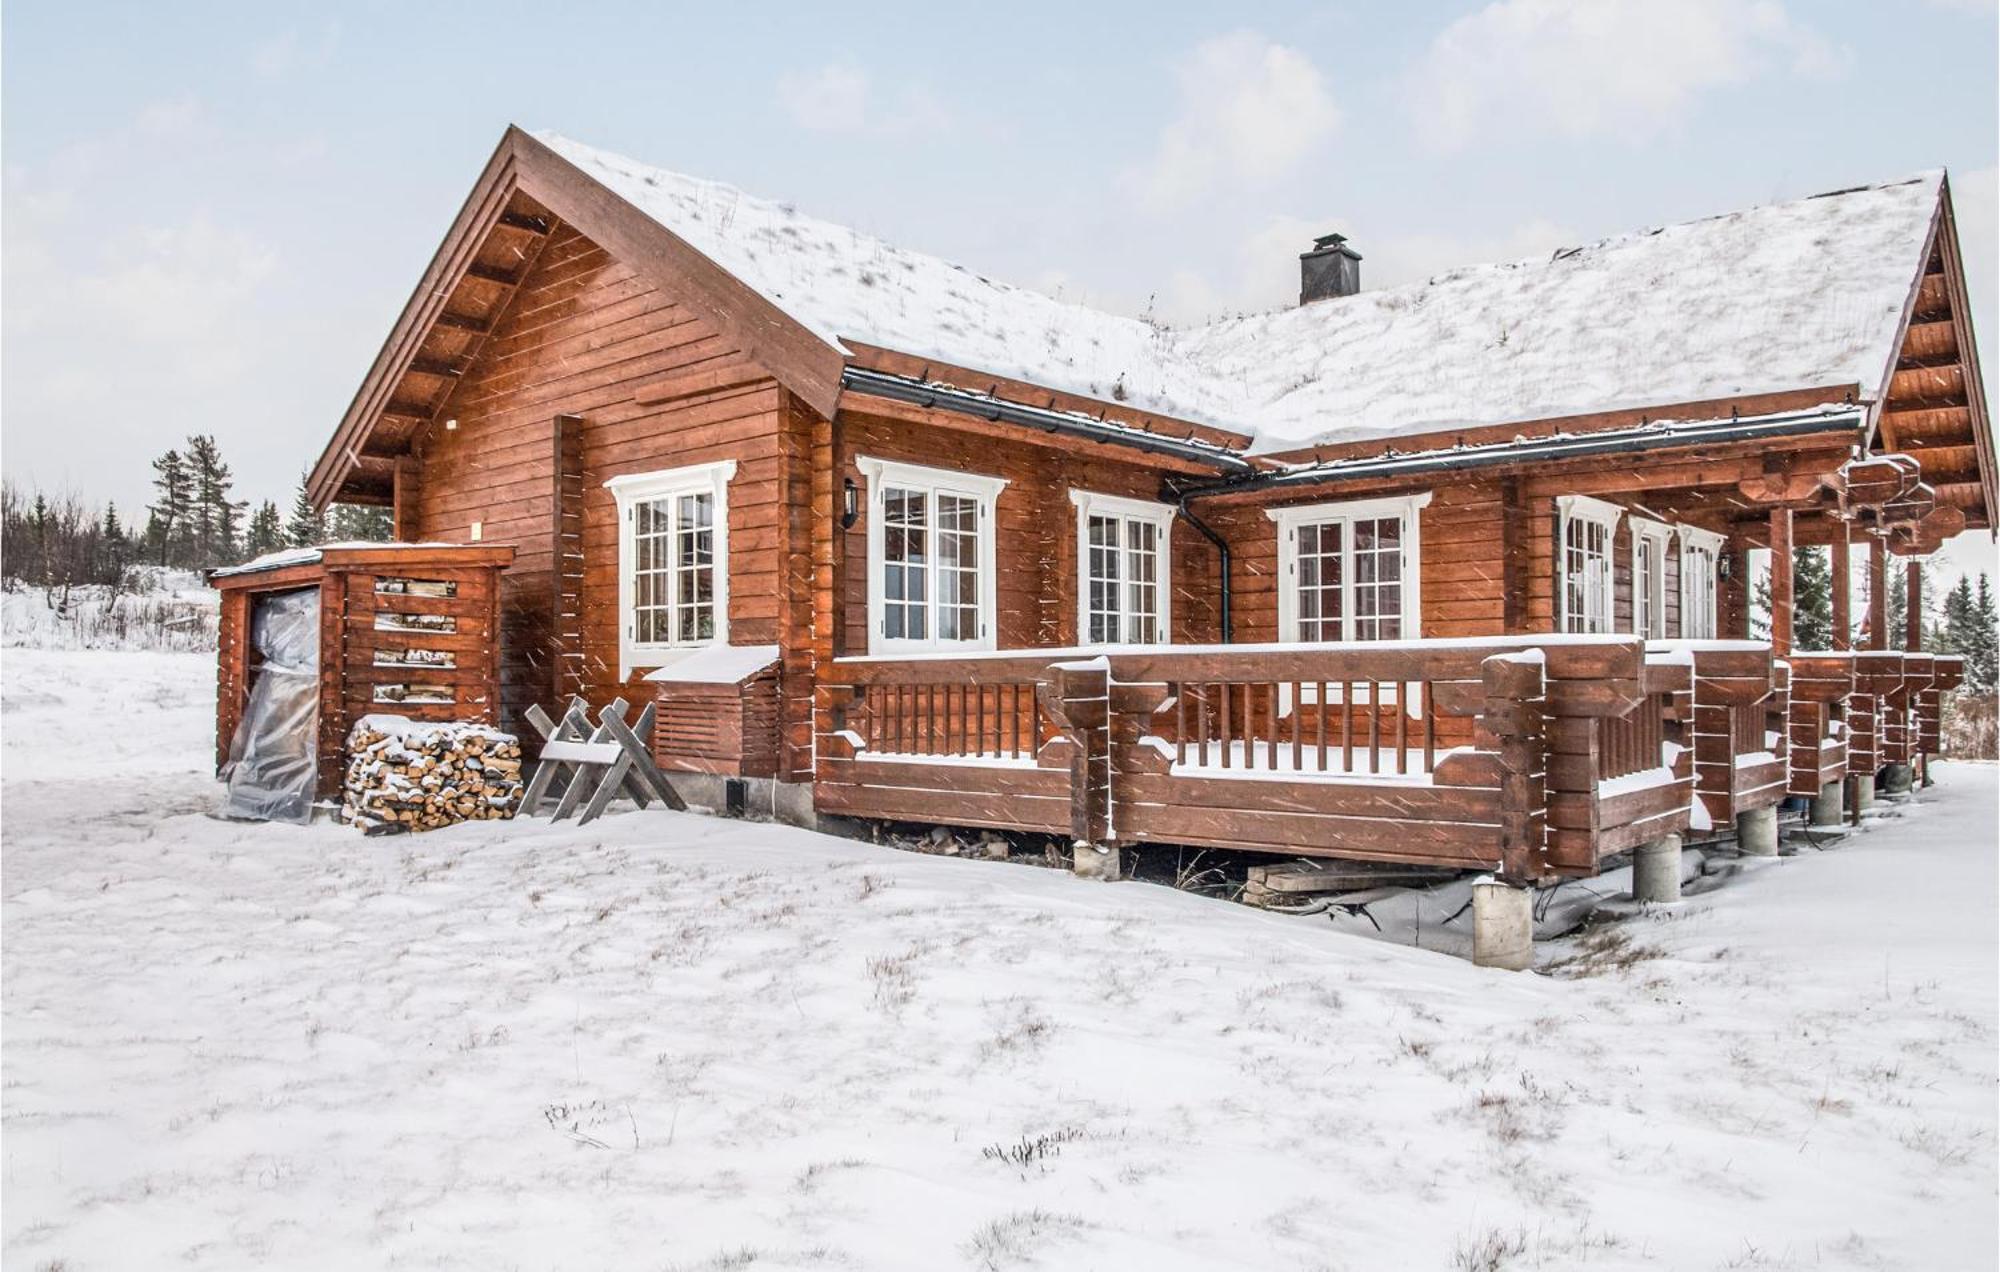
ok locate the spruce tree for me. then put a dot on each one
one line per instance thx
(266, 532)
(114, 548)
(1812, 601)
(168, 529)
(307, 525)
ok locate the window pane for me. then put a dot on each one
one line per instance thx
(906, 564)
(1321, 603)
(1102, 575)
(958, 567)
(1378, 572)
(1142, 575)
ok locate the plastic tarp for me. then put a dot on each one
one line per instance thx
(273, 770)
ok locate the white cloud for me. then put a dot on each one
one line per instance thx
(831, 99)
(839, 98)
(1250, 109)
(1585, 68)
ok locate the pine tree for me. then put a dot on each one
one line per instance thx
(215, 515)
(266, 532)
(167, 530)
(1987, 625)
(307, 525)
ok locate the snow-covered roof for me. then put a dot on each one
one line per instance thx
(285, 557)
(1793, 295)
(717, 665)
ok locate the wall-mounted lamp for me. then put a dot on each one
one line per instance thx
(1722, 567)
(850, 503)
(451, 426)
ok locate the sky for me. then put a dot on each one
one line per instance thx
(214, 212)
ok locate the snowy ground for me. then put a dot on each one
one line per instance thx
(671, 1042)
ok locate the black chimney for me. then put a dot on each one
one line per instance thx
(1331, 269)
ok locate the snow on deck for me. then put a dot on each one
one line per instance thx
(1793, 295)
(663, 1040)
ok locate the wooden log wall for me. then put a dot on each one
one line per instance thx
(591, 372)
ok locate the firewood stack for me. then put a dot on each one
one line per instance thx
(405, 774)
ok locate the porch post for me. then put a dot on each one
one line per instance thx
(1878, 595)
(1081, 693)
(1781, 581)
(1913, 607)
(1843, 601)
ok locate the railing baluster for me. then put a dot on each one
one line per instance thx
(1347, 727)
(1271, 715)
(1402, 730)
(1321, 726)
(1180, 722)
(1298, 728)
(1201, 727)
(1374, 728)
(1224, 686)
(1430, 730)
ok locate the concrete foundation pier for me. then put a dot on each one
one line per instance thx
(1895, 780)
(1828, 807)
(1757, 832)
(1097, 861)
(1656, 871)
(1503, 925)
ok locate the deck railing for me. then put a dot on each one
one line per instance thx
(1492, 754)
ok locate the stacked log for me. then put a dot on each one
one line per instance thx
(405, 774)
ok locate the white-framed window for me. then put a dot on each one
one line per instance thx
(1650, 541)
(1123, 559)
(931, 565)
(1349, 571)
(1701, 554)
(1586, 528)
(673, 562)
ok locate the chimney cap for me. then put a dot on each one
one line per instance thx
(1333, 243)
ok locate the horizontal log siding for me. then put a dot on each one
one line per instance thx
(1035, 528)
(582, 337)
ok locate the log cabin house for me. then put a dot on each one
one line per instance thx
(1452, 573)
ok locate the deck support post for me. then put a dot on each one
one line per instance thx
(1503, 925)
(1078, 698)
(1843, 589)
(1781, 581)
(1878, 595)
(1757, 832)
(1896, 779)
(1827, 806)
(1656, 871)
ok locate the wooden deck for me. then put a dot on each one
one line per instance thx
(1536, 757)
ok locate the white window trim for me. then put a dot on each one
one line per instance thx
(1290, 519)
(1659, 534)
(1695, 539)
(984, 489)
(1161, 516)
(636, 488)
(1597, 512)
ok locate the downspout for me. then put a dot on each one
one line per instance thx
(1222, 558)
